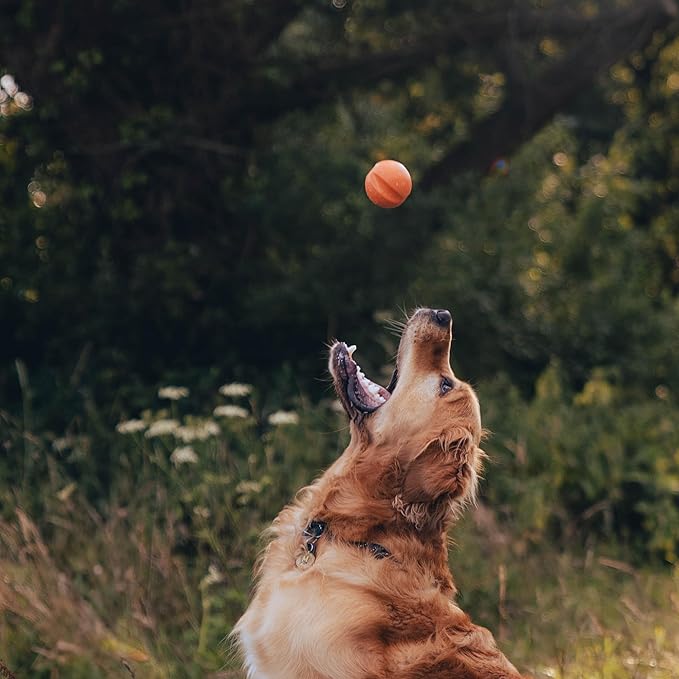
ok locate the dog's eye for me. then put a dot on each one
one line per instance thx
(446, 385)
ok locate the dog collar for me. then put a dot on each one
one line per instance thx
(312, 534)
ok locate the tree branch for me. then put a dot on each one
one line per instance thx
(322, 79)
(267, 20)
(529, 107)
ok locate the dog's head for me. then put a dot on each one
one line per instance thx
(418, 438)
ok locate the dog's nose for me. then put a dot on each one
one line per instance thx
(443, 317)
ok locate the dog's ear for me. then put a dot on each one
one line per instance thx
(446, 467)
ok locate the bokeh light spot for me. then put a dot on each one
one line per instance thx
(8, 84)
(39, 198)
(23, 101)
(12, 100)
(500, 167)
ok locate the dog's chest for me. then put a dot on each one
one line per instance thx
(337, 618)
(313, 628)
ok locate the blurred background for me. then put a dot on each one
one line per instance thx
(182, 229)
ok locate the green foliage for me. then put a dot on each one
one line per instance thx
(194, 204)
(157, 571)
(602, 461)
(154, 575)
(568, 615)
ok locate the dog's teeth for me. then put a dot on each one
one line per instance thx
(351, 349)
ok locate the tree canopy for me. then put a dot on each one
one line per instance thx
(182, 186)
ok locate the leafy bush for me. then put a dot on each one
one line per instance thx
(154, 568)
(602, 461)
(150, 573)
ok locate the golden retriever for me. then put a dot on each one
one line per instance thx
(354, 583)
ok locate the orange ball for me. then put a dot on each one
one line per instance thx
(388, 184)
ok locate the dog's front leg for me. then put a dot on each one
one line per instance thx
(460, 652)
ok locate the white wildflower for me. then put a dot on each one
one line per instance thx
(230, 411)
(184, 455)
(162, 428)
(130, 426)
(67, 491)
(249, 487)
(187, 433)
(213, 577)
(201, 511)
(235, 389)
(198, 431)
(173, 393)
(211, 428)
(283, 417)
(62, 444)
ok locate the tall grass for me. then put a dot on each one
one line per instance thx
(147, 574)
(129, 552)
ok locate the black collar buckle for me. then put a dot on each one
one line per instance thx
(312, 534)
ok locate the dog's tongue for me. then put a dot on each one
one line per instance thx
(365, 394)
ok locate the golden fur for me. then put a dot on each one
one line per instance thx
(410, 467)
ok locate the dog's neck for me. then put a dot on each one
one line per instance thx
(359, 508)
(359, 496)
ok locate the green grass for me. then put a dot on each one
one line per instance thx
(105, 595)
(570, 614)
(142, 574)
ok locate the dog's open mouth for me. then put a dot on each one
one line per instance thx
(355, 390)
